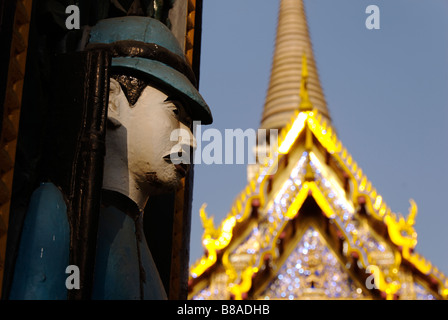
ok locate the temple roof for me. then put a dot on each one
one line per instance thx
(311, 181)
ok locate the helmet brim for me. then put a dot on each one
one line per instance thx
(169, 78)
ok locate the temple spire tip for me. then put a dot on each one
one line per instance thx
(284, 94)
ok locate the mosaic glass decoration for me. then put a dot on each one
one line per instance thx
(421, 293)
(204, 294)
(312, 271)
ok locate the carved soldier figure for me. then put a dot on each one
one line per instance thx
(152, 92)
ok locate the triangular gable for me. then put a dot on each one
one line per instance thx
(248, 255)
(336, 203)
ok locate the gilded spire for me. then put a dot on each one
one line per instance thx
(292, 43)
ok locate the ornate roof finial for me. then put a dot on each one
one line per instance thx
(208, 223)
(412, 213)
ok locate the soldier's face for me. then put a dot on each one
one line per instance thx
(150, 141)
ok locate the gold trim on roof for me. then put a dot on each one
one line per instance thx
(400, 230)
(390, 288)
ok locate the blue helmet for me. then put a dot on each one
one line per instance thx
(147, 45)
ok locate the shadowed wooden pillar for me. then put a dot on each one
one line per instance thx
(14, 28)
(170, 215)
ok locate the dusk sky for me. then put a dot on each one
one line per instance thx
(386, 91)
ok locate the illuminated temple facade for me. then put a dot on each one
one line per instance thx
(309, 224)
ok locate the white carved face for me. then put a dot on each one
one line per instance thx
(142, 137)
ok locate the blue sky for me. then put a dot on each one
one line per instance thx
(386, 89)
